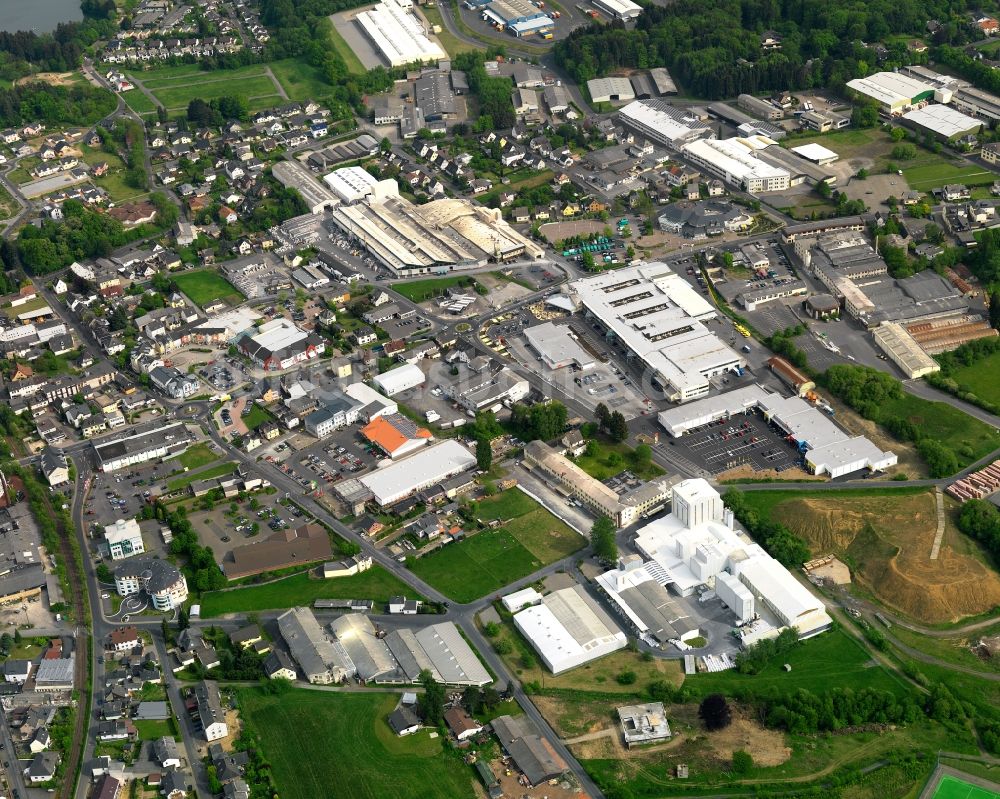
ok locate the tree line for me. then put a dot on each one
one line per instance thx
(776, 539)
(54, 105)
(968, 354)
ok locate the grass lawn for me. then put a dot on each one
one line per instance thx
(530, 538)
(765, 501)
(8, 205)
(451, 43)
(609, 459)
(934, 171)
(300, 589)
(164, 73)
(197, 456)
(11, 312)
(150, 730)
(178, 95)
(419, 290)
(831, 660)
(981, 378)
(343, 49)
(300, 80)
(301, 732)
(205, 474)
(113, 180)
(256, 417)
(139, 102)
(204, 285)
(472, 568)
(970, 438)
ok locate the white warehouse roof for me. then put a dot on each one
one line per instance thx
(734, 157)
(427, 467)
(943, 120)
(400, 379)
(350, 183)
(569, 629)
(398, 35)
(816, 152)
(890, 88)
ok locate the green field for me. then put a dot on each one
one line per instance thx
(981, 378)
(420, 290)
(197, 456)
(487, 561)
(300, 80)
(970, 438)
(112, 181)
(953, 788)
(139, 102)
(832, 660)
(150, 730)
(300, 589)
(927, 176)
(175, 87)
(218, 470)
(204, 285)
(322, 744)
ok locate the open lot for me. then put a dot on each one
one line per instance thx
(197, 456)
(981, 378)
(175, 87)
(204, 285)
(530, 538)
(420, 290)
(970, 438)
(303, 589)
(299, 730)
(886, 537)
(300, 80)
(605, 459)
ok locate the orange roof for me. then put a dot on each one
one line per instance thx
(386, 435)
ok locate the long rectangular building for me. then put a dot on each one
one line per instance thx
(427, 467)
(146, 444)
(737, 162)
(398, 35)
(658, 318)
(663, 123)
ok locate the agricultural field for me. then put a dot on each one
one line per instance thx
(886, 537)
(300, 731)
(300, 80)
(981, 378)
(303, 589)
(204, 285)
(530, 538)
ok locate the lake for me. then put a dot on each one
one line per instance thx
(38, 15)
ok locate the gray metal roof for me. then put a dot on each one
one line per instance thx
(457, 663)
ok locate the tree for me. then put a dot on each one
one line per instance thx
(472, 699)
(603, 541)
(742, 762)
(618, 427)
(714, 712)
(642, 455)
(995, 309)
(603, 415)
(484, 455)
(432, 700)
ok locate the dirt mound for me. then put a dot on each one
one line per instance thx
(887, 541)
(52, 78)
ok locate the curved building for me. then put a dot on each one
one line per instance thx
(166, 586)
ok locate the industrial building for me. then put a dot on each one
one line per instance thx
(663, 123)
(400, 379)
(764, 109)
(433, 94)
(568, 628)
(661, 79)
(150, 442)
(609, 90)
(895, 93)
(738, 163)
(293, 175)
(533, 755)
(943, 122)
(624, 10)
(322, 660)
(123, 539)
(401, 656)
(373, 404)
(280, 344)
(426, 467)
(558, 347)
(488, 390)
(398, 35)
(647, 607)
(350, 183)
(656, 316)
(826, 448)
(965, 97)
(601, 499)
(434, 238)
(520, 17)
(697, 541)
(903, 350)
(816, 153)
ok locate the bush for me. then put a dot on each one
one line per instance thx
(742, 762)
(626, 678)
(491, 629)
(503, 647)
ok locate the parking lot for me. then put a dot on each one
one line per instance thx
(745, 439)
(308, 461)
(222, 529)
